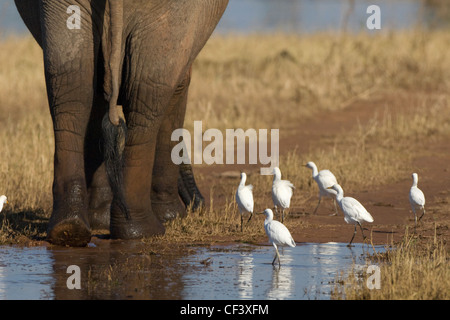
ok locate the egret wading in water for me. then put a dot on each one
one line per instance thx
(324, 179)
(278, 234)
(354, 211)
(416, 198)
(3, 201)
(282, 191)
(244, 198)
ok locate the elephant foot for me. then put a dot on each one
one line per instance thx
(69, 223)
(99, 208)
(99, 218)
(140, 225)
(73, 232)
(168, 210)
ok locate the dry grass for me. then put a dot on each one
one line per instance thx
(413, 270)
(275, 81)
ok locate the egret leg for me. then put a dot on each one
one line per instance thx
(251, 215)
(350, 243)
(415, 219)
(335, 208)
(276, 211)
(282, 215)
(274, 258)
(318, 203)
(423, 212)
(242, 220)
(362, 231)
(277, 256)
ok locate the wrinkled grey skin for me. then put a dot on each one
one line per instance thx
(132, 53)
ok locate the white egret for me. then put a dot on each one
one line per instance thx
(416, 198)
(278, 234)
(3, 200)
(324, 179)
(282, 191)
(244, 198)
(354, 211)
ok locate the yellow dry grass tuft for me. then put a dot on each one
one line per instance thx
(414, 270)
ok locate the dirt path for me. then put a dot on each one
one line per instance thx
(388, 204)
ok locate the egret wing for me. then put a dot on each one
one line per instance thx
(279, 234)
(282, 192)
(354, 210)
(244, 198)
(326, 179)
(416, 197)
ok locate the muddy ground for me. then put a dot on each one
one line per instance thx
(388, 204)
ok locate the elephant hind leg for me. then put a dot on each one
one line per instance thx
(114, 138)
(99, 190)
(167, 177)
(187, 188)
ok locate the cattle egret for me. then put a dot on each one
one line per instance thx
(416, 198)
(324, 179)
(281, 192)
(278, 234)
(244, 198)
(354, 211)
(3, 200)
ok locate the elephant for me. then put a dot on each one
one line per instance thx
(117, 88)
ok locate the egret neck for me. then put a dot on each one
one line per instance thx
(415, 180)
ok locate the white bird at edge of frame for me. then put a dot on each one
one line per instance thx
(416, 198)
(244, 198)
(3, 201)
(324, 179)
(278, 234)
(282, 191)
(354, 211)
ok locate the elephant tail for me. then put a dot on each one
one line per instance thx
(113, 60)
(114, 123)
(114, 138)
(187, 188)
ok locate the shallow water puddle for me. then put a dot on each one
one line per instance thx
(307, 271)
(124, 271)
(25, 273)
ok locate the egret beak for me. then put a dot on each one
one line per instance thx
(330, 187)
(7, 201)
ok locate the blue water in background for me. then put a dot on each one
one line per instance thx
(295, 16)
